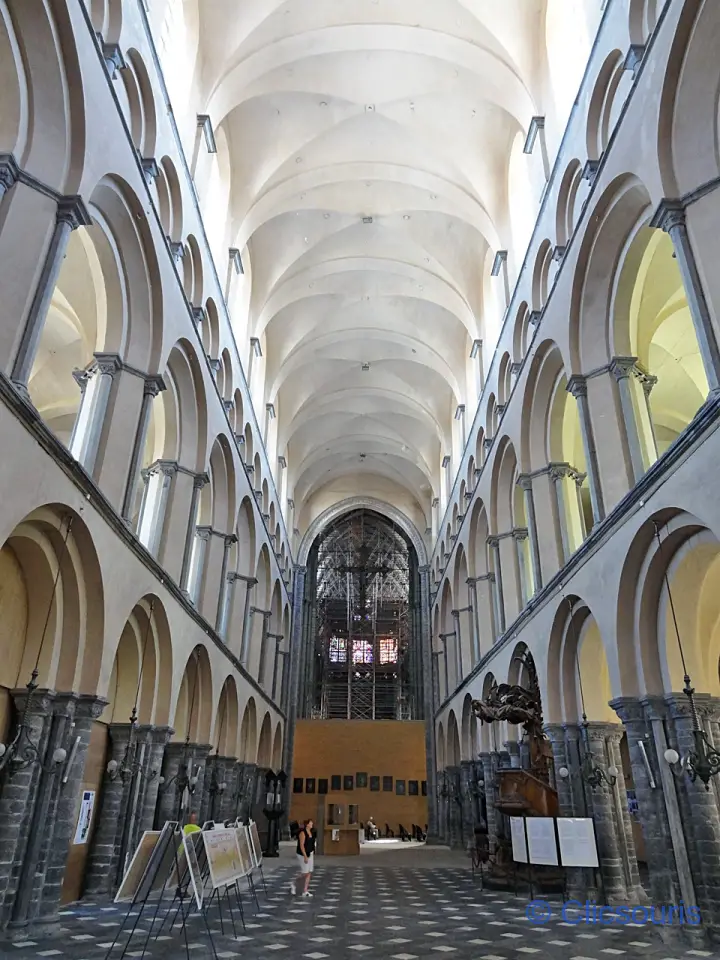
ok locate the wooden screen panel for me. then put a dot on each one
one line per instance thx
(92, 780)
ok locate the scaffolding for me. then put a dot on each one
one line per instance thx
(364, 653)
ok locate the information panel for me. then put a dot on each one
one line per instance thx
(519, 844)
(542, 846)
(577, 842)
(223, 857)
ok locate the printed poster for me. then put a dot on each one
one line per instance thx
(517, 835)
(223, 857)
(87, 805)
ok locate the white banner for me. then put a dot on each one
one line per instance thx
(577, 842)
(85, 816)
(542, 846)
(519, 844)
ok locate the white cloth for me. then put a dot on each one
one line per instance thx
(305, 867)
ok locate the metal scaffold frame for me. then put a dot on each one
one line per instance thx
(364, 649)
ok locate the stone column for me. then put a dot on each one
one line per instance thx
(699, 812)
(622, 368)
(494, 544)
(458, 646)
(443, 637)
(152, 768)
(670, 217)
(78, 712)
(488, 765)
(153, 386)
(472, 583)
(467, 782)
(104, 868)
(525, 483)
(636, 716)
(38, 806)
(604, 813)
(198, 799)
(235, 798)
(623, 822)
(578, 879)
(178, 755)
(71, 214)
(96, 385)
(278, 638)
(577, 386)
(199, 481)
(158, 480)
(262, 654)
(197, 573)
(228, 542)
(249, 789)
(296, 644)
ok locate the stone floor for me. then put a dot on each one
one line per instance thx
(423, 905)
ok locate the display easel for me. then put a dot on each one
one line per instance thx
(163, 863)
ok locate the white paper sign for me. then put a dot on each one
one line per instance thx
(517, 834)
(85, 817)
(577, 842)
(542, 848)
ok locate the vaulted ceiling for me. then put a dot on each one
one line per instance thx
(369, 144)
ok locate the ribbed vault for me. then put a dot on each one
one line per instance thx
(369, 144)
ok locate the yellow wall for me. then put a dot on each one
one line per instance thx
(377, 747)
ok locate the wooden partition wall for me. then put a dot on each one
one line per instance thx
(378, 748)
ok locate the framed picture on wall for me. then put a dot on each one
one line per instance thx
(423, 786)
(298, 785)
(412, 788)
(322, 785)
(310, 785)
(336, 782)
(387, 784)
(361, 780)
(375, 784)
(400, 788)
(348, 781)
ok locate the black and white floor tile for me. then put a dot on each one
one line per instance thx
(392, 913)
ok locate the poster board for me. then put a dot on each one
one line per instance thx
(87, 804)
(223, 857)
(255, 842)
(190, 842)
(138, 865)
(542, 845)
(577, 842)
(243, 842)
(519, 842)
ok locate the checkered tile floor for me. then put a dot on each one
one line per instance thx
(392, 913)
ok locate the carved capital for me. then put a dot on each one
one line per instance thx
(669, 216)
(150, 169)
(577, 385)
(200, 480)
(72, 211)
(154, 384)
(9, 171)
(622, 367)
(106, 364)
(524, 481)
(203, 533)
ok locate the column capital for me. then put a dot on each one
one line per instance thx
(519, 533)
(622, 367)
(204, 533)
(150, 169)
(89, 706)
(629, 709)
(263, 613)
(670, 213)
(72, 211)
(168, 467)
(577, 385)
(154, 384)
(493, 541)
(107, 364)
(201, 480)
(230, 539)
(524, 481)
(9, 171)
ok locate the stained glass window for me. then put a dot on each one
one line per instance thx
(362, 651)
(388, 650)
(337, 650)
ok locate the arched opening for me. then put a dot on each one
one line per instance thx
(362, 582)
(652, 323)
